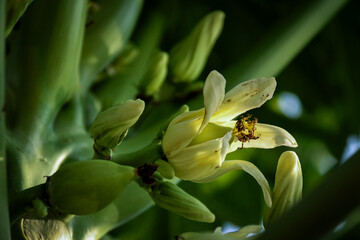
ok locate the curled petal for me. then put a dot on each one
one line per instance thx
(270, 137)
(178, 136)
(248, 167)
(245, 96)
(214, 91)
(201, 160)
(187, 116)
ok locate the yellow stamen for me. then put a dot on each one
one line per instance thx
(244, 129)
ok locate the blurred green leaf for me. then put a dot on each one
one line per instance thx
(4, 218)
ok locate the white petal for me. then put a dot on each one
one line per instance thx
(199, 161)
(245, 96)
(248, 167)
(270, 137)
(179, 135)
(214, 91)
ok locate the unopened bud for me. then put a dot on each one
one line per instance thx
(172, 198)
(188, 57)
(111, 125)
(86, 187)
(165, 169)
(288, 187)
(40, 208)
(155, 74)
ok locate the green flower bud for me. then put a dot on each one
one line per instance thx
(88, 186)
(165, 169)
(111, 125)
(155, 74)
(40, 207)
(188, 57)
(288, 187)
(172, 198)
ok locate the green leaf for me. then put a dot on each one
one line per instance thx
(282, 45)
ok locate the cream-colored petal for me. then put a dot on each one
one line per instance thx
(187, 116)
(270, 137)
(178, 136)
(245, 96)
(210, 132)
(199, 161)
(248, 167)
(214, 91)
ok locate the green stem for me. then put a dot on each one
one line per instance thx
(22, 200)
(4, 216)
(148, 154)
(323, 208)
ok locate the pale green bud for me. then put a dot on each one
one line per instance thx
(288, 187)
(110, 126)
(86, 187)
(155, 74)
(188, 57)
(172, 198)
(165, 169)
(40, 207)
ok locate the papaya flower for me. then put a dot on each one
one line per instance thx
(196, 142)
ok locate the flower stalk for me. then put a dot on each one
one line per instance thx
(149, 154)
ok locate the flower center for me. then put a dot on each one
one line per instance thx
(244, 129)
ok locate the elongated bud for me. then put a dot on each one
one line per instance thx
(172, 198)
(155, 74)
(288, 186)
(165, 169)
(111, 125)
(188, 57)
(88, 186)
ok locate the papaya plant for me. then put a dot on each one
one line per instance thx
(105, 114)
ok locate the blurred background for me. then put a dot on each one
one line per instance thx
(316, 100)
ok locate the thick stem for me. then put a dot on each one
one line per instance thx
(323, 208)
(149, 154)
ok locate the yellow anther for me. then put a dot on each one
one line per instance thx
(244, 129)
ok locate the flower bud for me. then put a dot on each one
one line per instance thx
(188, 57)
(155, 74)
(111, 125)
(165, 169)
(86, 187)
(288, 187)
(40, 208)
(172, 198)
